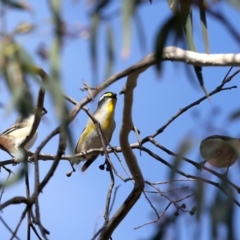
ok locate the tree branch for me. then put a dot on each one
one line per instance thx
(130, 159)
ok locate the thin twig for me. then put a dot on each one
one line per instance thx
(217, 185)
(150, 203)
(114, 198)
(3, 188)
(154, 221)
(195, 164)
(137, 132)
(28, 197)
(8, 228)
(35, 231)
(181, 111)
(19, 223)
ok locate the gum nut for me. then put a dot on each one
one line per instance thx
(219, 152)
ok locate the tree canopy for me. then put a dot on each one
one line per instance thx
(171, 168)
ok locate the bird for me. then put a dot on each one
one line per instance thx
(11, 139)
(89, 137)
(220, 151)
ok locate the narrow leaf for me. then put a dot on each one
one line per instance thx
(198, 71)
(110, 51)
(100, 5)
(93, 42)
(235, 3)
(234, 116)
(140, 32)
(172, 25)
(173, 4)
(203, 20)
(189, 33)
(183, 149)
(56, 6)
(24, 28)
(127, 11)
(18, 5)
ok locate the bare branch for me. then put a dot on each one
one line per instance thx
(217, 185)
(14, 200)
(130, 159)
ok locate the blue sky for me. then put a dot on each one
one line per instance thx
(72, 208)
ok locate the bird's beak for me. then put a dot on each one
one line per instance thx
(114, 96)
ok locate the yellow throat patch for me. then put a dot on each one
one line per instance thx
(110, 107)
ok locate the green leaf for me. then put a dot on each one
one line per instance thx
(93, 41)
(19, 5)
(24, 28)
(235, 3)
(15, 76)
(140, 32)
(173, 4)
(198, 71)
(203, 20)
(110, 50)
(172, 25)
(54, 83)
(14, 178)
(222, 212)
(184, 147)
(127, 12)
(56, 6)
(199, 198)
(234, 115)
(55, 89)
(189, 33)
(101, 5)
(186, 18)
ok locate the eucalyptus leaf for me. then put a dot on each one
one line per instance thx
(140, 31)
(203, 19)
(173, 4)
(235, 3)
(15, 76)
(127, 12)
(18, 5)
(93, 40)
(234, 115)
(184, 147)
(172, 25)
(110, 50)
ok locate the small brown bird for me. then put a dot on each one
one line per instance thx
(12, 138)
(220, 151)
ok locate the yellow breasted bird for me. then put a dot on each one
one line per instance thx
(89, 138)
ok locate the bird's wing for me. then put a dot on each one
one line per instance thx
(14, 127)
(88, 163)
(75, 151)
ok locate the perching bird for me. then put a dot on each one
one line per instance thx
(89, 138)
(12, 138)
(220, 151)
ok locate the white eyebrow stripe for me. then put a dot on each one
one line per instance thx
(108, 94)
(101, 98)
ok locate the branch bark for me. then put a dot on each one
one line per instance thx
(130, 158)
